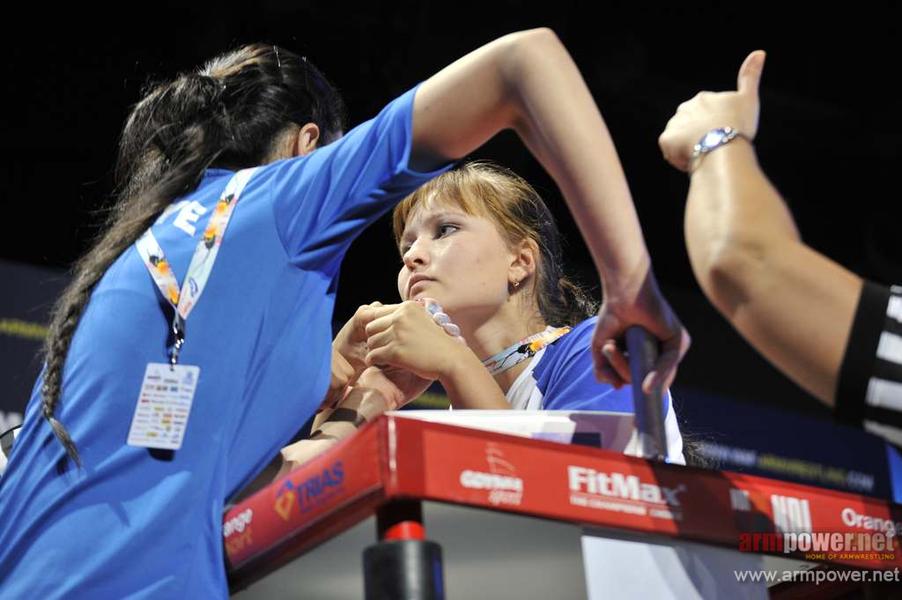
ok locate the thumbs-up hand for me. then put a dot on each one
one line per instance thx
(709, 110)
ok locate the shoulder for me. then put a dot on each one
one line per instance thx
(391, 127)
(572, 346)
(568, 352)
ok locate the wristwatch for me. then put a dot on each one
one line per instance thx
(713, 139)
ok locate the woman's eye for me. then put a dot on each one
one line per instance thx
(446, 228)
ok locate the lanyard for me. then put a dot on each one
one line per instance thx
(184, 298)
(525, 348)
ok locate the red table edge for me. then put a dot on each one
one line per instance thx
(402, 475)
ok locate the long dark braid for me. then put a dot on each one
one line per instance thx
(230, 114)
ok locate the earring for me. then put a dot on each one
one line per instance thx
(516, 284)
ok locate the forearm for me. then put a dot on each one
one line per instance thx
(560, 123)
(470, 386)
(791, 303)
(332, 401)
(735, 221)
(732, 205)
(360, 406)
(320, 418)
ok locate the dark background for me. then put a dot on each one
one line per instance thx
(829, 135)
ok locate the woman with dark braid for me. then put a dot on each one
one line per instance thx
(193, 341)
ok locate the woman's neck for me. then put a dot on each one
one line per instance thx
(497, 333)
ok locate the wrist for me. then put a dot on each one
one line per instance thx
(715, 139)
(459, 363)
(362, 404)
(727, 157)
(373, 403)
(373, 381)
(624, 283)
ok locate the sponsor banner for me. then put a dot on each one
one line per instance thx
(810, 515)
(599, 488)
(823, 525)
(580, 485)
(565, 482)
(289, 506)
(237, 531)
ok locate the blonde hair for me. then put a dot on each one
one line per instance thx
(487, 190)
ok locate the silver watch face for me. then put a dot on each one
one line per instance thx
(713, 138)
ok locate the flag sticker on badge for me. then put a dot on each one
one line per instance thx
(163, 406)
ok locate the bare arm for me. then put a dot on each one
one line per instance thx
(469, 384)
(360, 405)
(792, 304)
(527, 82)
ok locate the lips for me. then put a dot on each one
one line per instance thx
(415, 279)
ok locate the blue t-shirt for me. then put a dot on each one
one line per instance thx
(561, 377)
(131, 524)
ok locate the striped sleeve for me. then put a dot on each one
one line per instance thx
(870, 379)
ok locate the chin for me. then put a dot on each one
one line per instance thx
(425, 292)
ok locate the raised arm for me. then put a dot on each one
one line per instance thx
(527, 82)
(792, 304)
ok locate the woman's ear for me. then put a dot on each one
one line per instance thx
(306, 140)
(525, 257)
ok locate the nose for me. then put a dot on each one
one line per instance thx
(417, 255)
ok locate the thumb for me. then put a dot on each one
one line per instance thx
(750, 73)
